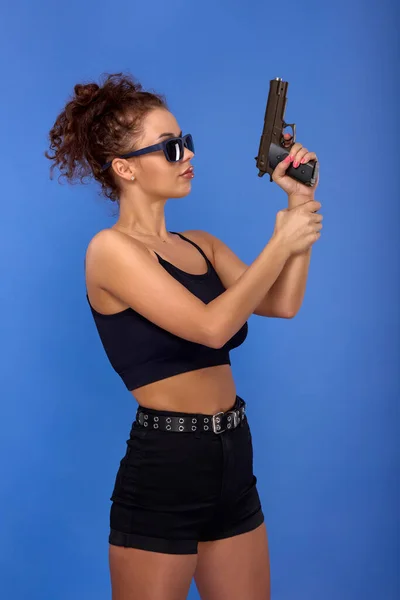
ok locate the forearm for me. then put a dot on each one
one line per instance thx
(287, 293)
(229, 311)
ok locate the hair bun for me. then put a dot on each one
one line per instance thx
(98, 123)
(86, 93)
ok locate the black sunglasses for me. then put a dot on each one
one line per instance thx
(173, 148)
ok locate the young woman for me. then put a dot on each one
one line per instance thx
(168, 308)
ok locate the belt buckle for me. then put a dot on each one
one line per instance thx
(235, 417)
(215, 425)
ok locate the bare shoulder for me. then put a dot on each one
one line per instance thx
(204, 239)
(106, 245)
(111, 239)
(226, 263)
(207, 238)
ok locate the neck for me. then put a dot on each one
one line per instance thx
(143, 217)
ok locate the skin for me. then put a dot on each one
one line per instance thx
(233, 568)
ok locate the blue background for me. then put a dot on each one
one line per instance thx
(322, 390)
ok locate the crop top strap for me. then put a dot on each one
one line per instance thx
(193, 244)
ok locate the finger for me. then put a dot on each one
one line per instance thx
(310, 206)
(316, 231)
(307, 157)
(317, 205)
(287, 140)
(316, 217)
(298, 157)
(295, 149)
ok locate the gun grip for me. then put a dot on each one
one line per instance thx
(307, 174)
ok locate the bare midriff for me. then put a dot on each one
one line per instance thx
(204, 391)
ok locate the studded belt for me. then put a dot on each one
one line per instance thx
(218, 423)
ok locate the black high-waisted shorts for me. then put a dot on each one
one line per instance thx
(175, 489)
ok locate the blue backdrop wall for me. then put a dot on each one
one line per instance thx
(322, 390)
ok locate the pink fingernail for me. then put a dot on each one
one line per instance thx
(296, 164)
(303, 160)
(288, 158)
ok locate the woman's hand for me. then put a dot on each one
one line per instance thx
(299, 228)
(298, 192)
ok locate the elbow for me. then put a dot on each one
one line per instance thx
(215, 341)
(287, 314)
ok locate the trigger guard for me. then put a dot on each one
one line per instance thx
(293, 140)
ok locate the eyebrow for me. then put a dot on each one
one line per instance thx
(169, 135)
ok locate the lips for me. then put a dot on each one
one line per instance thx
(189, 170)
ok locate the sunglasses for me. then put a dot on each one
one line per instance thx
(173, 148)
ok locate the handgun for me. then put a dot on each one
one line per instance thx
(272, 148)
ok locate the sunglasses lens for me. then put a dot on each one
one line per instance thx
(174, 150)
(188, 142)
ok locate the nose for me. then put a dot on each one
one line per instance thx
(187, 154)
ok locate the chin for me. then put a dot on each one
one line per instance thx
(181, 193)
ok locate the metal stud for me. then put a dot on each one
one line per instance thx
(181, 428)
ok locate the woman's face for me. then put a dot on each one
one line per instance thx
(153, 173)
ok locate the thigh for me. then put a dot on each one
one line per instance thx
(234, 568)
(149, 575)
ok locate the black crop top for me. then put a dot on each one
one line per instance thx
(141, 352)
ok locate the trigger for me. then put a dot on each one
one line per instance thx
(289, 143)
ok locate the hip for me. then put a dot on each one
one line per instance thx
(165, 468)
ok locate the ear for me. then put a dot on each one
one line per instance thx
(123, 168)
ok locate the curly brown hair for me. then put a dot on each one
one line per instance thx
(98, 123)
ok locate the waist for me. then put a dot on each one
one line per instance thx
(191, 422)
(207, 390)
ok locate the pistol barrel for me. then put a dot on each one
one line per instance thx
(273, 122)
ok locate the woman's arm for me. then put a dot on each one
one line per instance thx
(124, 267)
(289, 289)
(230, 268)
